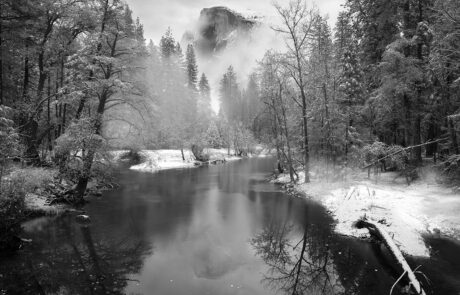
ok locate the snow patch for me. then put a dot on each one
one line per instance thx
(394, 209)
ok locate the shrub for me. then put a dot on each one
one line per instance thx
(11, 213)
(398, 158)
(372, 152)
(29, 179)
(11, 207)
(12, 193)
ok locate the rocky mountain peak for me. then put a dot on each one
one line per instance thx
(217, 27)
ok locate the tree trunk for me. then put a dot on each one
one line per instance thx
(25, 83)
(377, 230)
(305, 137)
(417, 139)
(431, 135)
(30, 130)
(63, 122)
(89, 158)
(347, 125)
(328, 123)
(2, 168)
(286, 132)
(1, 58)
(64, 112)
(84, 177)
(453, 136)
(41, 74)
(407, 118)
(48, 113)
(275, 133)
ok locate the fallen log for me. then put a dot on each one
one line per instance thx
(377, 230)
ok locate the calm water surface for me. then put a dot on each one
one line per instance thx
(210, 230)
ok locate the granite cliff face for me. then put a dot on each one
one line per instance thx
(217, 27)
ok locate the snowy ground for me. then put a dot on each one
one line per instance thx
(424, 207)
(164, 159)
(170, 159)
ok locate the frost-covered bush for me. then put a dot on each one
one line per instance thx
(75, 145)
(398, 158)
(370, 153)
(243, 140)
(29, 179)
(9, 137)
(393, 157)
(213, 137)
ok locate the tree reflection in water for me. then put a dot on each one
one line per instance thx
(80, 265)
(304, 256)
(303, 267)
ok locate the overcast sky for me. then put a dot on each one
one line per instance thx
(157, 15)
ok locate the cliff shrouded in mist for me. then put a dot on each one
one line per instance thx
(217, 26)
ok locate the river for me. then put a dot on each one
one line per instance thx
(210, 230)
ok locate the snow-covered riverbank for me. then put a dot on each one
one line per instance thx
(156, 160)
(409, 212)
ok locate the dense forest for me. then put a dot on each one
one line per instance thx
(78, 79)
(383, 82)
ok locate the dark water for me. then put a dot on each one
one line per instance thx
(210, 230)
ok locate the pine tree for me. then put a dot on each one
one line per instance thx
(192, 68)
(251, 106)
(204, 101)
(139, 31)
(229, 95)
(344, 34)
(178, 51)
(351, 88)
(205, 89)
(378, 26)
(167, 45)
